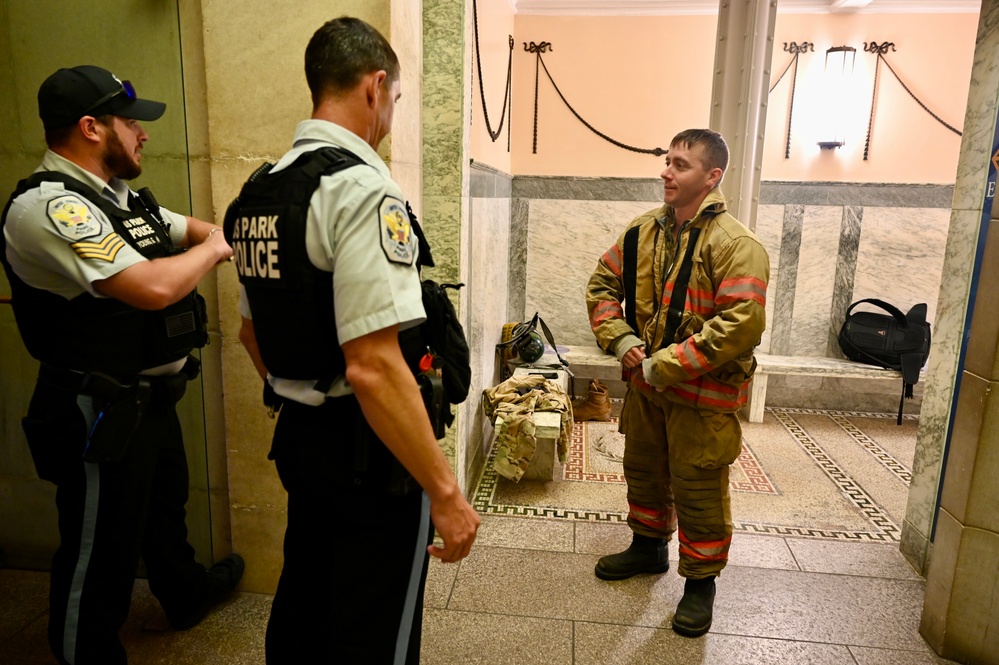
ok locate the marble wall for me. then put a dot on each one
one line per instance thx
(829, 243)
(958, 443)
(444, 168)
(490, 271)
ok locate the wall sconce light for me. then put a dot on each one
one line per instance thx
(837, 95)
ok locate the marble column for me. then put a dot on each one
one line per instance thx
(962, 584)
(739, 96)
(446, 86)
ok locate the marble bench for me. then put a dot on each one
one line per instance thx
(834, 368)
(591, 361)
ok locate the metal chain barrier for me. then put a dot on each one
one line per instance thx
(874, 97)
(539, 49)
(509, 78)
(880, 50)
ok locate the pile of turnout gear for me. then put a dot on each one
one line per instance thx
(510, 407)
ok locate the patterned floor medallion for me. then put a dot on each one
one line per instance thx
(802, 472)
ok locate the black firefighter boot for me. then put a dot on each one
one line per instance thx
(693, 614)
(644, 555)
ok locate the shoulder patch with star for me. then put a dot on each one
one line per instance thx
(398, 239)
(73, 218)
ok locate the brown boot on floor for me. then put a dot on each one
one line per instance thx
(594, 406)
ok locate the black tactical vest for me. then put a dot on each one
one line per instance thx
(104, 334)
(291, 300)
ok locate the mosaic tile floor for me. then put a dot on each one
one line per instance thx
(805, 473)
(814, 577)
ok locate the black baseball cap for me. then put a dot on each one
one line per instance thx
(72, 93)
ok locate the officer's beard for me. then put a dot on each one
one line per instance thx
(117, 161)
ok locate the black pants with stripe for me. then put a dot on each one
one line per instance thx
(355, 554)
(110, 514)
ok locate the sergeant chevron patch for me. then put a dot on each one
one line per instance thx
(105, 250)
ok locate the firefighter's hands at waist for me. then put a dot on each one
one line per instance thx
(634, 357)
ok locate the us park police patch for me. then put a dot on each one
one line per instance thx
(256, 244)
(73, 218)
(396, 231)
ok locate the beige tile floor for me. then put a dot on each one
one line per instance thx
(821, 590)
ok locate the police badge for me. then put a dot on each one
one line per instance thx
(72, 218)
(396, 232)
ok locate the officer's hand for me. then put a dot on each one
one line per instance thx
(633, 357)
(216, 241)
(457, 522)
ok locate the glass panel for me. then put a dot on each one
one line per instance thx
(139, 41)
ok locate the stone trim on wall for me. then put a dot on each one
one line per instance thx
(803, 193)
(587, 189)
(488, 183)
(857, 194)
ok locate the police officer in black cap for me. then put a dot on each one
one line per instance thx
(104, 297)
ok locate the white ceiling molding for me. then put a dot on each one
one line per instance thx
(615, 7)
(693, 7)
(848, 5)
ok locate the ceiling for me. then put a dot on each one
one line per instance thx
(680, 7)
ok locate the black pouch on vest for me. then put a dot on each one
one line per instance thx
(432, 390)
(117, 420)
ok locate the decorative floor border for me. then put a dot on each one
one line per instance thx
(850, 489)
(882, 456)
(757, 479)
(762, 529)
(845, 414)
(883, 528)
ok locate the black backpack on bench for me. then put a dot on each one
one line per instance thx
(893, 341)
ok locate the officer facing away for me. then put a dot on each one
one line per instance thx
(104, 298)
(326, 256)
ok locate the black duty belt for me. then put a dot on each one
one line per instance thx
(108, 386)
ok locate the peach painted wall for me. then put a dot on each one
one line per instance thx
(933, 58)
(642, 79)
(496, 23)
(637, 79)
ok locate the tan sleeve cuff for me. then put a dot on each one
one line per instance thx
(625, 343)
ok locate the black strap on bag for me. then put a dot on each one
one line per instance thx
(900, 342)
(442, 331)
(678, 299)
(551, 341)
